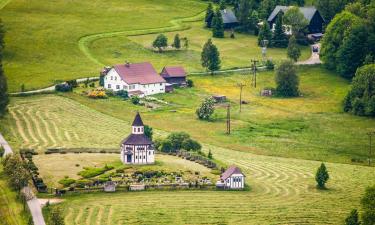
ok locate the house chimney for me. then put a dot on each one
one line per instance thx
(127, 64)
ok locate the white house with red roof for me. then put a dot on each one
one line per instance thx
(232, 178)
(136, 78)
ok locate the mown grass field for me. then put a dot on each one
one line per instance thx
(71, 164)
(282, 192)
(11, 210)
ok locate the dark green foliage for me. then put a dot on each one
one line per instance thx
(2, 151)
(270, 65)
(90, 172)
(160, 42)
(190, 83)
(65, 87)
(209, 154)
(122, 93)
(217, 25)
(352, 52)
(210, 57)
(287, 81)
(334, 36)
(222, 5)
(209, 15)
(296, 19)
(148, 131)
(186, 42)
(16, 171)
(368, 206)
(66, 182)
(135, 99)
(177, 139)
(329, 8)
(243, 11)
(101, 80)
(166, 146)
(360, 100)
(4, 98)
(294, 52)
(264, 33)
(206, 109)
(191, 145)
(321, 176)
(73, 83)
(353, 218)
(177, 41)
(279, 38)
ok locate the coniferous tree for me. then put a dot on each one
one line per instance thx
(209, 154)
(4, 99)
(205, 53)
(264, 33)
(294, 52)
(321, 176)
(209, 15)
(222, 5)
(214, 59)
(279, 38)
(177, 41)
(217, 25)
(353, 218)
(368, 206)
(287, 81)
(148, 131)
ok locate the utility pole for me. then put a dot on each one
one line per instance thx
(241, 85)
(370, 133)
(228, 119)
(254, 66)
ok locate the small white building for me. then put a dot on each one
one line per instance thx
(232, 178)
(136, 78)
(137, 148)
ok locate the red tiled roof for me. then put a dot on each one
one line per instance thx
(138, 73)
(231, 170)
(173, 71)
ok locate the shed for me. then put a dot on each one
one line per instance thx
(175, 75)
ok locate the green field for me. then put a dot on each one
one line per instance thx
(282, 192)
(94, 34)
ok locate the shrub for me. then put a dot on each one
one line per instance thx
(89, 172)
(109, 93)
(177, 138)
(2, 151)
(206, 109)
(191, 145)
(66, 182)
(72, 83)
(97, 94)
(83, 182)
(158, 143)
(135, 100)
(287, 81)
(270, 65)
(123, 94)
(92, 84)
(63, 87)
(190, 83)
(166, 146)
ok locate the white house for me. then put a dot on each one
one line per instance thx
(137, 148)
(232, 178)
(137, 78)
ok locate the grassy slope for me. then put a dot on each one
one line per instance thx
(42, 47)
(282, 192)
(11, 211)
(234, 52)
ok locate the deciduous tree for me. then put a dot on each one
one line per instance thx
(160, 42)
(205, 111)
(264, 33)
(287, 81)
(295, 19)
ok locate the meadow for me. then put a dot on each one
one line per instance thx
(282, 191)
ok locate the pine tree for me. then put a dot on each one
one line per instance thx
(214, 59)
(294, 52)
(279, 38)
(264, 33)
(222, 5)
(209, 154)
(321, 176)
(209, 15)
(217, 25)
(177, 41)
(4, 99)
(353, 218)
(205, 53)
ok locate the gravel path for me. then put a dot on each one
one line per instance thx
(314, 58)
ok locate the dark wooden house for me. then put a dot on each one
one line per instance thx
(229, 18)
(311, 14)
(175, 75)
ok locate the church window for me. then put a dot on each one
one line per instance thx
(139, 129)
(136, 157)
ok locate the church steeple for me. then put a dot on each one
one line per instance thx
(137, 126)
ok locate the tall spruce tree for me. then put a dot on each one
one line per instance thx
(294, 52)
(321, 176)
(279, 38)
(217, 25)
(353, 218)
(177, 41)
(222, 5)
(264, 33)
(210, 57)
(4, 99)
(209, 15)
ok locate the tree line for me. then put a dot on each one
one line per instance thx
(4, 98)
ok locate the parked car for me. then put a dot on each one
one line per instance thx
(315, 49)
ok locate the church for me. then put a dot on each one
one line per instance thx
(137, 148)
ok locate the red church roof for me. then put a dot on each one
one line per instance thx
(231, 170)
(138, 73)
(173, 71)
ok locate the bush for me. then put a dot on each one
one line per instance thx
(191, 145)
(63, 87)
(110, 93)
(2, 151)
(83, 182)
(270, 65)
(123, 94)
(206, 109)
(190, 83)
(66, 182)
(90, 172)
(135, 100)
(72, 83)
(287, 81)
(97, 94)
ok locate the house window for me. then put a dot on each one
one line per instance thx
(136, 157)
(117, 86)
(161, 84)
(109, 85)
(149, 153)
(125, 87)
(111, 78)
(139, 129)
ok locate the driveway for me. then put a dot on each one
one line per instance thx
(314, 58)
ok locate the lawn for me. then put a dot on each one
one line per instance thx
(71, 164)
(42, 48)
(11, 210)
(282, 192)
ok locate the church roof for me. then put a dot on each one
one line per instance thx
(231, 170)
(138, 121)
(136, 139)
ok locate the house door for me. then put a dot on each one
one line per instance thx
(129, 158)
